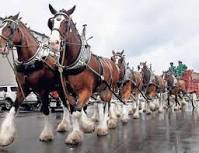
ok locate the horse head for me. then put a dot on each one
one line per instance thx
(145, 71)
(61, 26)
(14, 33)
(118, 58)
(9, 33)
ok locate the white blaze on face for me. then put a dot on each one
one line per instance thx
(117, 60)
(55, 35)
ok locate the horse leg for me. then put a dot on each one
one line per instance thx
(95, 115)
(47, 133)
(125, 114)
(160, 110)
(8, 130)
(102, 128)
(136, 115)
(64, 125)
(86, 123)
(176, 103)
(193, 100)
(148, 110)
(168, 99)
(76, 136)
(112, 122)
(118, 109)
(183, 102)
(79, 117)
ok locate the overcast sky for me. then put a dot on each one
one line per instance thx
(157, 31)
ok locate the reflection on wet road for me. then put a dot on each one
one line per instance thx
(170, 132)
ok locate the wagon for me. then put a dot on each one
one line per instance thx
(191, 79)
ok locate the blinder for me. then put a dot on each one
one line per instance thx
(51, 23)
(13, 26)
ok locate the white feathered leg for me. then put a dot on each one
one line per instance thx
(47, 133)
(184, 102)
(148, 110)
(8, 130)
(194, 100)
(130, 109)
(160, 110)
(112, 121)
(118, 110)
(102, 128)
(136, 115)
(76, 136)
(95, 115)
(125, 114)
(64, 125)
(86, 124)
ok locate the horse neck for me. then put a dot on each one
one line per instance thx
(146, 75)
(170, 80)
(122, 70)
(28, 45)
(73, 45)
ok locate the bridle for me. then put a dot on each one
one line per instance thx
(67, 18)
(10, 44)
(13, 28)
(121, 58)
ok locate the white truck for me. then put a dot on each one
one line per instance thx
(8, 95)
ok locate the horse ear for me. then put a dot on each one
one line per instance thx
(113, 52)
(15, 17)
(52, 10)
(122, 52)
(69, 12)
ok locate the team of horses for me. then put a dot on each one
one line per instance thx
(68, 66)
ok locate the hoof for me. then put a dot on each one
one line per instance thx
(63, 127)
(176, 109)
(7, 133)
(131, 112)
(74, 138)
(46, 136)
(124, 121)
(152, 108)
(160, 110)
(5, 140)
(118, 115)
(112, 123)
(136, 116)
(101, 131)
(94, 119)
(89, 127)
(148, 113)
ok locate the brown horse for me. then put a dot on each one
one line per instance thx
(175, 87)
(124, 83)
(35, 71)
(152, 85)
(137, 87)
(130, 82)
(84, 77)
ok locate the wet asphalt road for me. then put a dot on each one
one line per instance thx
(170, 132)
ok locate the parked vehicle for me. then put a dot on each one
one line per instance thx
(8, 95)
(55, 101)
